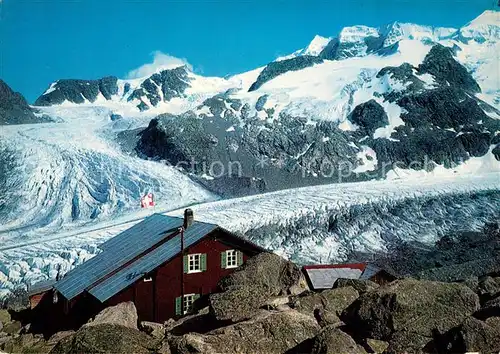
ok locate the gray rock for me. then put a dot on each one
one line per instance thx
(409, 342)
(266, 270)
(377, 346)
(57, 337)
(361, 285)
(332, 340)
(493, 322)
(407, 305)
(267, 332)
(490, 309)
(489, 287)
(156, 330)
(123, 314)
(327, 305)
(250, 286)
(106, 338)
(476, 336)
(4, 316)
(12, 327)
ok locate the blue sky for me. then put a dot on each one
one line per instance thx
(46, 40)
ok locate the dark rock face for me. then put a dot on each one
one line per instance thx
(441, 125)
(167, 84)
(277, 68)
(259, 106)
(369, 116)
(338, 50)
(444, 125)
(14, 109)
(77, 91)
(441, 64)
(244, 151)
(496, 152)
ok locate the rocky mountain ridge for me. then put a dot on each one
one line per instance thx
(14, 108)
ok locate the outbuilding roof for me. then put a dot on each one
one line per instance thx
(324, 276)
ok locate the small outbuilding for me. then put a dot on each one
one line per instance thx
(163, 264)
(323, 276)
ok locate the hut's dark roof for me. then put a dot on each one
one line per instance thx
(123, 249)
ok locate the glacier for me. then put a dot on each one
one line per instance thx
(308, 225)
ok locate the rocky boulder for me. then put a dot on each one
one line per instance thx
(376, 346)
(4, 316)
(12, 327)
(250, 286)
(476, 336)
(106, 338)
(488, 288)
(332, 340)
(266, 270)
(25, 343)
(156, 330)
(327, 305)
(267, 332)
(489, 309)
(409, 308)
(123, 314)
(360, 285)
(57, 337)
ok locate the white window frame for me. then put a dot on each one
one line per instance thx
(147, 279)
(187, 303)
(233, 256)
(192, 257)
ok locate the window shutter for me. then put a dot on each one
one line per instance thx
(203, 262)
(186, 264)
(178, 305)
(223, 260)
(240, 257)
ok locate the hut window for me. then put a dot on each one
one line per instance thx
(231, 259)
(187, 303)
(195, 263)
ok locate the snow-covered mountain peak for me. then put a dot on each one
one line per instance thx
(489, 17)
(485, 27)
(317, 45)
(398, 31)
(357, 33)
